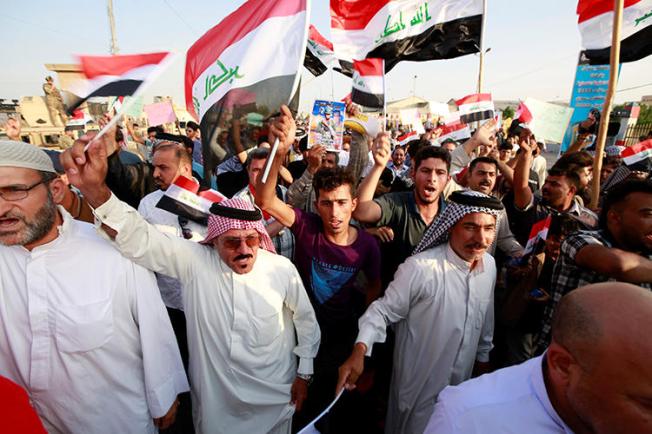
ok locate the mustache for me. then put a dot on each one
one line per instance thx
(245, 256)
(13, 215)
(477, 246)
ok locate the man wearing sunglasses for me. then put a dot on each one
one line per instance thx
(248, 316)
(82, 329)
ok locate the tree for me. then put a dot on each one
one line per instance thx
(508, 112)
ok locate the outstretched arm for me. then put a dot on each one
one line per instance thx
(284, 129)
(367, 210)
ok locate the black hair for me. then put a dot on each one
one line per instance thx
(192, 125)
(257, 154)
(413, 146)
(432, 152)
(330, 179)
(487, 160)
(157, 129)
(618, 194)
(571, 175)
(184, 140)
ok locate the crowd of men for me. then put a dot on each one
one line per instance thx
(396, 274)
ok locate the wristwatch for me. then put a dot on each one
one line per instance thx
(305, 377)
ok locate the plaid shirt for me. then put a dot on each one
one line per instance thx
(567, 275)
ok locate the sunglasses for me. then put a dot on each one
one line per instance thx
(233, 243)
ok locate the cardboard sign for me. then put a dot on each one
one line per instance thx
(549, 121)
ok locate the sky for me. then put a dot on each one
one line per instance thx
(534, 47)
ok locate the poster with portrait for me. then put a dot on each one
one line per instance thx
(327, 125)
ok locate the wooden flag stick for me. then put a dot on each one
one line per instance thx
(608, 102)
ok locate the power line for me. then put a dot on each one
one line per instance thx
(174, 11)
(635, 87)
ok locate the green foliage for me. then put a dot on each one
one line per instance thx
(645, 116)
(508, 112)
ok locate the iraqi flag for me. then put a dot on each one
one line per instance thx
(413, 30)
(319, 53)
(407, 138)
(539, 232)
(595, 19)
(639, 154)
(369, 83)
(457, 132)
(184, 199)
(248, 63)
(320, 56)
(476, 107)
(523, 114)
(118, 75)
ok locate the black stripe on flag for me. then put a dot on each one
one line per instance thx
(114, 88)
(183, 210)
(477, 116)
(314, 64)
(442, 41)
(633, 48)
(345, 68)
(264, 97)
(366, 99)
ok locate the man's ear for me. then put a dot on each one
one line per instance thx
(354, 203)
(58, 189)
(561, 364)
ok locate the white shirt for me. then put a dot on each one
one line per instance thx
(444, 319)
(511, 400)
(241, 327)
(85, 332)
(540, 167)
(168, 223)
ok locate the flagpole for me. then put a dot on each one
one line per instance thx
(482, 33)
(165, 63)
(295, 88)
(384, 99)
(608, 102)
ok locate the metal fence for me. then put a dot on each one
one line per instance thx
(635, 132)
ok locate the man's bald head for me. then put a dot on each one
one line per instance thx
(598, 371)
(608, 311)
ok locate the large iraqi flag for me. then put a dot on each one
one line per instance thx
(117, 75)
(248, 63)
(595, 18)
(397, 30)
(320, 56)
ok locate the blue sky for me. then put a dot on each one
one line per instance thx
(534, 47)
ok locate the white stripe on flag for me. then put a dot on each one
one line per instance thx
(189, 198)
(369, 83)
(596, 32)
(355, 44)
(82, 88)
(637, 157)
(260, 55)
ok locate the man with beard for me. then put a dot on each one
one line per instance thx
(595, 377)
(82, 329)
(249, 318)
(441, 303)
(406, 214)
(557, 195)
(620, 250)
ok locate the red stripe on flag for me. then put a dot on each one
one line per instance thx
(587, 9)
(637, 148)
(369, 67)
(314, 35)
(212, 195)
(447, 129)
(207, 49)
(470, 99)
(354, 14)
(187, 184)
(94, 66)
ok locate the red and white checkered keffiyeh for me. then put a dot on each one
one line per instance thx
(218, 225)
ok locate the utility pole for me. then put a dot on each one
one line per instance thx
(482, 50)
(114, 41)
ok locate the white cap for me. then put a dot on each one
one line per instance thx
(21, 154)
